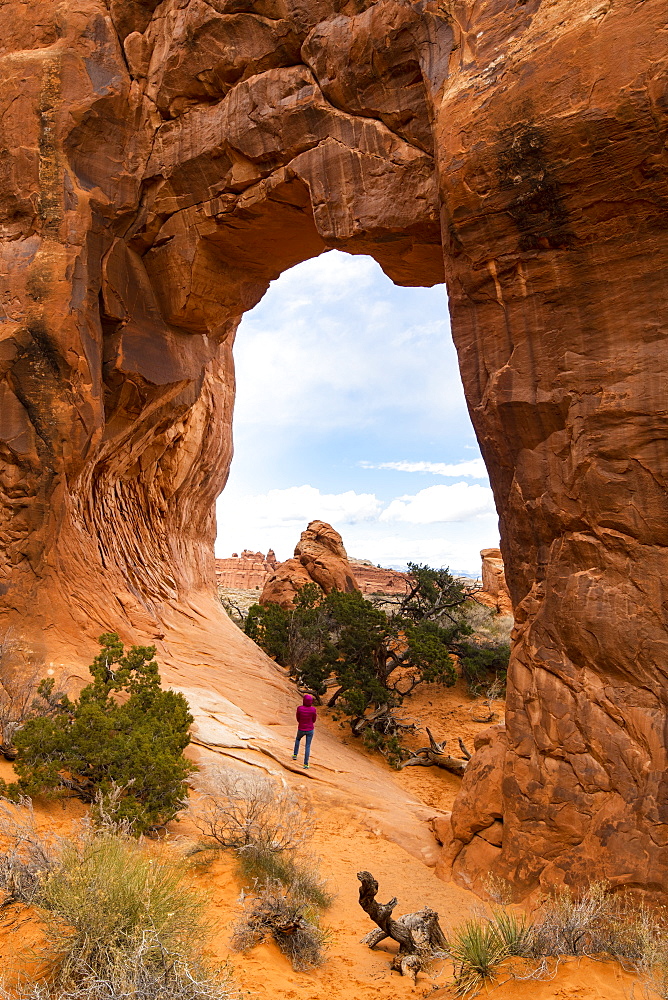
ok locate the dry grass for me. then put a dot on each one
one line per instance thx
(122, 920)
(596, 923)
(30, 854)
(276, 912)
(246, 810)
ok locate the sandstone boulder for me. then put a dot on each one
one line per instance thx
(282, 585)
(319, 558)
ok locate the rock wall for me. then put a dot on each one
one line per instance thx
(160, 163)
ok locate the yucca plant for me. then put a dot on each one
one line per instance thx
(476, 949)
(514, 931)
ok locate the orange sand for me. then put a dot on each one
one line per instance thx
(367, 816)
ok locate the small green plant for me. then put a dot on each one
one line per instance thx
(514, 931)
(476, 949)
(123, 732)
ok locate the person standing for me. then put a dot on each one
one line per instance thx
(306, 716)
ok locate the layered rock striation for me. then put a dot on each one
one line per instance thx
(493, 580)
(160, 163)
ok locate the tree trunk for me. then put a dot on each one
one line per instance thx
(419, 935)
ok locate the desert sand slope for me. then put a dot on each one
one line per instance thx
(365, 817)
(244, 708)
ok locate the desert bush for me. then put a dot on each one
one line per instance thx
(132, 978)
(596, 922)
(30, 854)
(571, 924)
(248, 810)
(288, 919)
(121, 921)
(25, 693)
(108, 897)
(298, 873)
(124, 731)
(267, 827)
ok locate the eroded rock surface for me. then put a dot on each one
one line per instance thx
(319, 558)
(160, 163)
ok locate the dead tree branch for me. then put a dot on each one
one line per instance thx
(419, 935)
(435, 754)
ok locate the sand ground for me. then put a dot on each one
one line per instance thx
(360, 808)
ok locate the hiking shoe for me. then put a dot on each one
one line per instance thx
(294, 756)
(306, 765)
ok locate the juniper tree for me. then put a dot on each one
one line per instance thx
(123, 732)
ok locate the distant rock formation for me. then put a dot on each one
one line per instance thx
(319, 558)
(494, 592)
(376, 580)
(251, 571)
(248, 571)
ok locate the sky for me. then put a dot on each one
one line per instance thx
(350, 410)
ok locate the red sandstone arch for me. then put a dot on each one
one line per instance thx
(161, 163)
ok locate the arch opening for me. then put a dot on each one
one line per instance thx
(349, 409)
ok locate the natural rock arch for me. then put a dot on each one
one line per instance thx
(162, 162)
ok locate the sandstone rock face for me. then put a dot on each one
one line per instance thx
(160, 163)
(319, 558)
(494, 586)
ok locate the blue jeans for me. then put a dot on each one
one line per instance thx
(298, 739)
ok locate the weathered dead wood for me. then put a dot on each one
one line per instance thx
(435, 754)
(419, 935)
(382, 721)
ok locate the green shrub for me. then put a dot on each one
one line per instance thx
(370, 654)
(484, 663)
(123, 732)
(514, 931)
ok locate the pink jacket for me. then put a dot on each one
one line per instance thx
(306, 715)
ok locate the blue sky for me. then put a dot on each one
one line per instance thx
(350, 409)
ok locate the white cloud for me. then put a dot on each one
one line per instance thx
(475, 468)
(298, 505)
(333, 346)
(440, 504)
